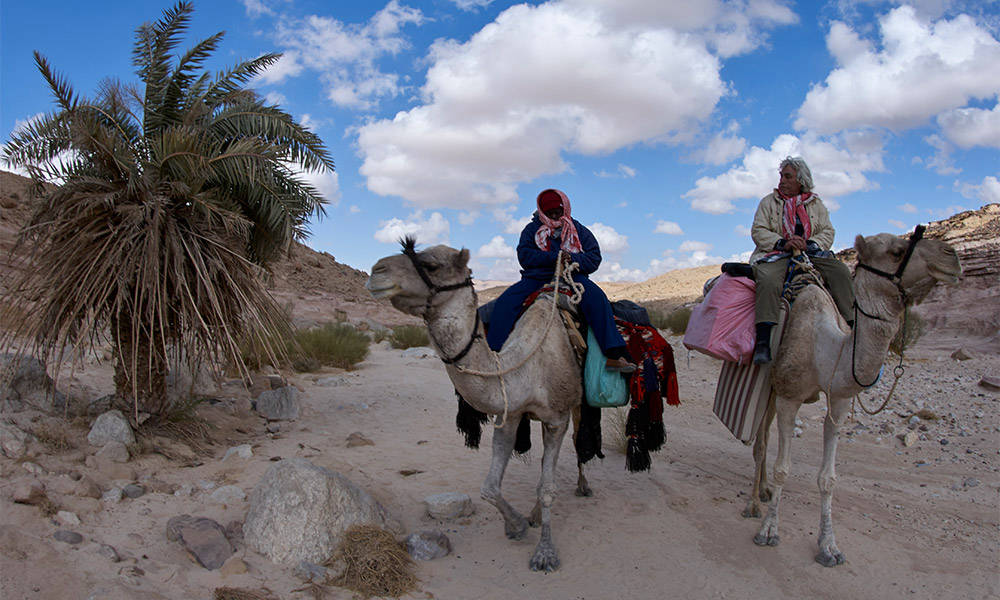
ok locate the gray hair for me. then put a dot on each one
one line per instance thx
(802, 172)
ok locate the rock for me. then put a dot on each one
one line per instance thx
(131, 574)
(114, 451)
(913, 422)
(419, 352)
(234, 566)
(67, 536)
(276, 381)
(158, 486)
(797, 432)
(13, 441)
(108, 552)
(970, 482)
(281, 404)
(908, 438)
(112, 496)
(241, 451)
(228, 494)
(990, 383)
(86, 488)
(33, 468)
(111, 427)
(299, 511)
(307, 571)
(133, 491)
(331, 381)
(203, 538)
(428, 545)
(449, 505)
(273, 427)
(29, 384)
(30, 491)
(963, 354)
(357, 439)
(67, 518)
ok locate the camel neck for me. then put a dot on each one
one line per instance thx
(879, 305)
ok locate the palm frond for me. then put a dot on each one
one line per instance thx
(60, 88)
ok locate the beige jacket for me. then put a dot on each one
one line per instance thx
(766, 229)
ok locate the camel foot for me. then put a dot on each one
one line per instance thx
(584, 491)
(535, 518)
(545, 559)
(765, 495)
(830, 559)
(752, 511)
(515, 527)
(766, 540)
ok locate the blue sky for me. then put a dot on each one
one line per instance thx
(663, 120)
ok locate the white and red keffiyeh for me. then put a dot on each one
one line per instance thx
(570, 237)
(795, 207)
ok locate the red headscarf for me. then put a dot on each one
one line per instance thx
(795, 207)
(570, 238)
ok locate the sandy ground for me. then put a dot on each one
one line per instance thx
(917, 522)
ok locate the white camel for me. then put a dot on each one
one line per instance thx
(820, 353)
(436, 284)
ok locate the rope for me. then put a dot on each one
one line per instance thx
(564, 270)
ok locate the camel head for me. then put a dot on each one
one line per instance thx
(396, 278)
(932, 261)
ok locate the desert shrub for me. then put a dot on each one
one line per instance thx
(409, 336)
(375, 563)
(676, 321)
(908, 334)
(331, 344)
(379, 335)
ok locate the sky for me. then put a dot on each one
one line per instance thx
(664, 121)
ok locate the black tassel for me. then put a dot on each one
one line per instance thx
(522, 441)
(637, 457)
(588, 436)
(656, 434)
(469, 422)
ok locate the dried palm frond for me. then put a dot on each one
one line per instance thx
(375, 563)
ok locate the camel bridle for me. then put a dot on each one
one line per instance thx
(410, 252)
(897, 279)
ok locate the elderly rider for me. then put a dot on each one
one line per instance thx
(792, 218)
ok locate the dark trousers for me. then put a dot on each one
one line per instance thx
(595, 307)
(771, 277)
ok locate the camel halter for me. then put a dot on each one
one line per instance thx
(410, 252)
(896, 278)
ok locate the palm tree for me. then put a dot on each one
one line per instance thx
(158, 205)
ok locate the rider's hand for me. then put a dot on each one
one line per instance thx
(797, 242)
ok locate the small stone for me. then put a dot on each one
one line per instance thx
(86, 488)
(909, 438)
(112, 496)
(357, 439)
(133, 490)
(419, 352)
(131, 574)
(29, 492)
(307, 571)
(913, 422)
(449, 505)
(428, 545)
(944, 441)
(971, 482)
(114, 451)
(281, 404)
(234, 566)
(241, 451)
(331, 381)
(228, 494)
(797, 432)
(13, 441)
(273, 427)
(67, 536)
(203, 538)
(990, 383)
(206, 484)
(109, 553)
(33, 468)
(67, 518)
(111, 427)
(962, 354)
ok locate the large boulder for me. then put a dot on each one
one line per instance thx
(281, 404)
(111, 427)
(24, 381)
(299, 511)
(204, 539)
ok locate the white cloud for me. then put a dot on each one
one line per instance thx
(354, 209)
(722, 148)
(899, 224)
(496, 248)
(838, 166)
(502, 269)
(694, 246)
(275, 98)
(327, 182)
(468, 217)
(433, 230)
(257, 8)
(613, 271)
(922, 69)
(469, 144)
(968, 127)
(742, 230)
(513, 225)
(668, 227)
(941, 160)
(610, 240)
(623, 171)
(907, 208)
(345, 55)
(470, 5)
(987, 192)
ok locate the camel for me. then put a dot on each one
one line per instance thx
(543, 381)
(820, 353)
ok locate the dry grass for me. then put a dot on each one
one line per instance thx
(47, 506)
(182, 424)
(927, 415)
(232, 593)
(54, 437)
(376, 564)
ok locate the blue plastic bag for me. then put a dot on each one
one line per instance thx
(603, 388)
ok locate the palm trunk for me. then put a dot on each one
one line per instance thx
(140, 368)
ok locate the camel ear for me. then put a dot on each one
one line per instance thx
(860, 246)
(463, 258)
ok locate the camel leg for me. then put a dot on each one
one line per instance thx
(760, 491)
(829, 555)
(582, 486)
(515, 525)
(546, 558)
(786, 411)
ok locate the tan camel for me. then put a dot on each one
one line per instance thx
(820, 353)
(436, 284)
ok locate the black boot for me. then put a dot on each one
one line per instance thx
(762, 349)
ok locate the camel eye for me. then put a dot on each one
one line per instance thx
(897, 251)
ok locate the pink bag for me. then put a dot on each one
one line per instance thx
(722, 324)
